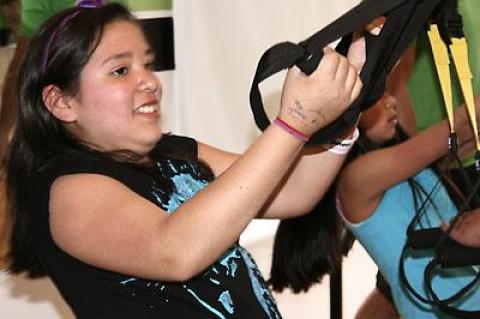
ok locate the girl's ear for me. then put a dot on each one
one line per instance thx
(58, 103)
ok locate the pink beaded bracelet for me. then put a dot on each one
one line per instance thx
(291, 130)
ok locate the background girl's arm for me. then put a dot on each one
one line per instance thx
(364, 181)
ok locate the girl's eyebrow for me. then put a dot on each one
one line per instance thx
(127, 54)
(150, 51)
(117, 56)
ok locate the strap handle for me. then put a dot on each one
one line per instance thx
(443, 305)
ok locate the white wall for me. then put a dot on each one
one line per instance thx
(218, 44)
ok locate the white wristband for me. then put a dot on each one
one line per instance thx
(342, 147)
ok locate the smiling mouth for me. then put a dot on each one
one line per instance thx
(393, 120)
(147, 109)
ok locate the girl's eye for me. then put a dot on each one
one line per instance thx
(120, 71)
(150, 66)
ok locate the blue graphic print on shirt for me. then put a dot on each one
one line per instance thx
(187, 179)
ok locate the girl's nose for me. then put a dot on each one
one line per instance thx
(390, 102)
(150, 82)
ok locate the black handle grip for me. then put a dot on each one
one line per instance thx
(425, 238)
(449, 253)
(454, 254)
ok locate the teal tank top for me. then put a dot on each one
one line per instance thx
(383, 236)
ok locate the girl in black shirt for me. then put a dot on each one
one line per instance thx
(129, 222)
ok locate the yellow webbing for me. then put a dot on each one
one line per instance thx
(459, 51)
(442, 63)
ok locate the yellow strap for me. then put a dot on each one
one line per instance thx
(442, 63)
(459, 51)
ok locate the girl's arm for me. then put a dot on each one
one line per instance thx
(313, 170)
(300, 190)
(363, 182)
(397, 85)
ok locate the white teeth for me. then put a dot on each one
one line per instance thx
(147, 109)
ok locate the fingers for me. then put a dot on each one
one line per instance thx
(353, 83)
(344, 67)
(351, 78)
(295, 70)
(329, 64)
(458, 232)
(337, 68)
(357, 53)
(467, 229)
(348, 75)
(444, 227)
(311, 102)
(357, 88)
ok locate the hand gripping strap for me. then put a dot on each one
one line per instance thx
(404, 20)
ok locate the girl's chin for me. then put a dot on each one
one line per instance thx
(386, 138)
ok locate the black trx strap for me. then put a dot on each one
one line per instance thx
(445, 305)
(404, 20)
(449, 21)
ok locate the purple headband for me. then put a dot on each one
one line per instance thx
(80, 4)
(89, 3)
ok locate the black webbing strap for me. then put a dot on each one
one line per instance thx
(444, 305)
(404, 20)
(449, 21)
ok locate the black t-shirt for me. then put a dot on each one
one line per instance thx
(232, 287)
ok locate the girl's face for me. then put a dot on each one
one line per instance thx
(118, 104)
(379, 121)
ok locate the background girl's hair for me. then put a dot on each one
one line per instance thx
(308, 247)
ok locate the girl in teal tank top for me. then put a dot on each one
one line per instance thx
(376, 193)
